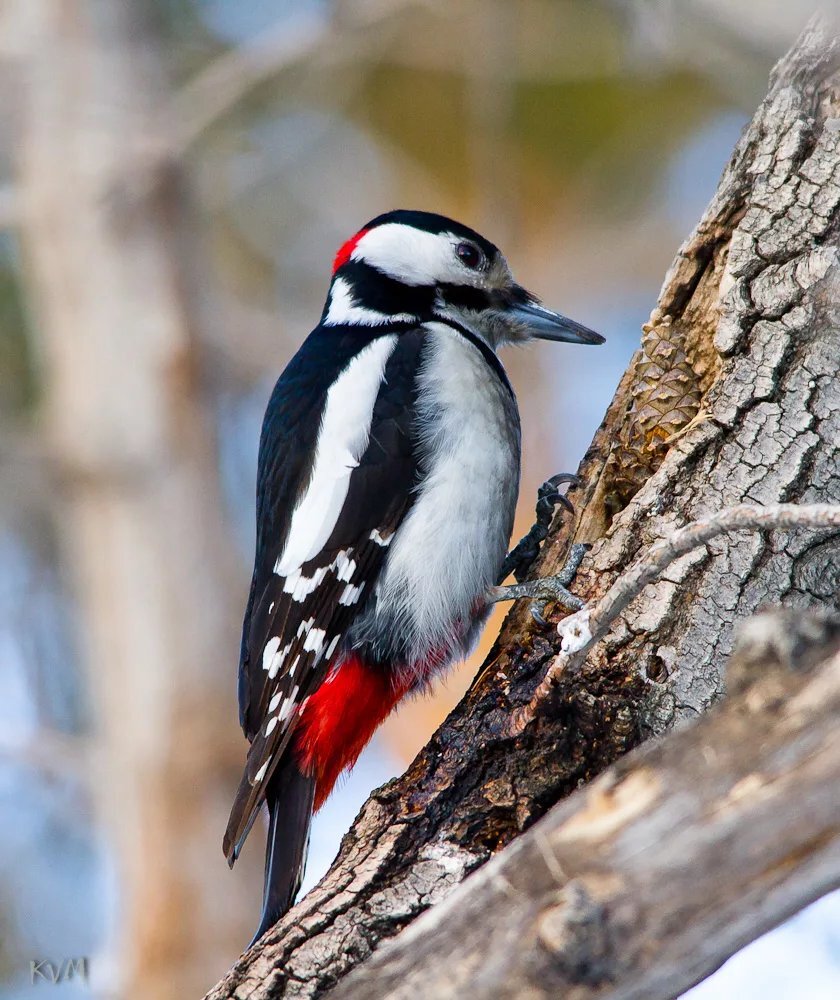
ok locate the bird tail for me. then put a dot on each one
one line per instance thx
(290, 796)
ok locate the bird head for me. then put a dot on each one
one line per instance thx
(412, 267)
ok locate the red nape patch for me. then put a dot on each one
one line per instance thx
(338, 720)
(346, 250)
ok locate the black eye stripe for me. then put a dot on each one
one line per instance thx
(465, 296)
(469, 255)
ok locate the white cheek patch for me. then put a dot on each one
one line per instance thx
(411, 255)
(342, 440)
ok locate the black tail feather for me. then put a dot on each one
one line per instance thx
(289, 796)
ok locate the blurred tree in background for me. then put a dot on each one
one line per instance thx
(176, 178)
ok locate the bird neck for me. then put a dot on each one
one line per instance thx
(361, 295)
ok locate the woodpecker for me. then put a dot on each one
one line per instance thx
(388, 474)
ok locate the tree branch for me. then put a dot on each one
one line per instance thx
(647, 880)
(581, 630)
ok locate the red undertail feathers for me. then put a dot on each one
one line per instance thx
(337, 721)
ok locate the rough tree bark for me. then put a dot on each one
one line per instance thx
(733, 397)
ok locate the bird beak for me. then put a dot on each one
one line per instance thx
(544, 324)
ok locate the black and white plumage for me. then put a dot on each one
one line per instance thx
(388, 476)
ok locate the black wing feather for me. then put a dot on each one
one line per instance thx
(380, 492)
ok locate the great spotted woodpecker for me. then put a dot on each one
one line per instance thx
(388, 475)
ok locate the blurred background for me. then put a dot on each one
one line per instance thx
(175, 177)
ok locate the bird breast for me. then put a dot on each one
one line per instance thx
(428, 604)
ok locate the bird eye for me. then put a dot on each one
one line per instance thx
(469, 255)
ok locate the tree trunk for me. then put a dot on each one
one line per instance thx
(104, 232)
(732, 397)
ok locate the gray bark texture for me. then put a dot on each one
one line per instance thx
(732, 398)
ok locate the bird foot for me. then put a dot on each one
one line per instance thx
(521, 558)
(548, 589)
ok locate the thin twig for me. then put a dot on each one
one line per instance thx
(584, 628)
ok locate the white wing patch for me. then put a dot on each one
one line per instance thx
(301, 586)
(342, 440)
(345, 568)
(314, 640)
(273, 656)
(270, 650)
(285, 711)
(351, 594)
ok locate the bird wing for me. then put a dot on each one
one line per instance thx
(297, 615)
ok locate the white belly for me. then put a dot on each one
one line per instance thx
(450, 547)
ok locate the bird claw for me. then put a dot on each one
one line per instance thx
(548, 493)
(549, 589)
(523, 555)
(555, 588)
(557, 595)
